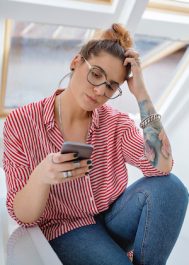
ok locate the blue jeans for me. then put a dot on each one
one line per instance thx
(147, 218)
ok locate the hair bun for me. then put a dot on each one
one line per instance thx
(118, 33)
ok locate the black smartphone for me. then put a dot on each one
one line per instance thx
(84, 151)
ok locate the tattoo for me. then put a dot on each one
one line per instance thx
(146, 108)
(152, 146)
(166, 147)
(156, 143)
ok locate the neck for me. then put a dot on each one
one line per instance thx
(70, 111)
(73, 122)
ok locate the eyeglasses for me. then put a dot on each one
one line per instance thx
(97, 77)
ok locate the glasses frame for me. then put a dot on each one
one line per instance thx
(105, 82)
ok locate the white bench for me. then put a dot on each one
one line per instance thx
(21, 246)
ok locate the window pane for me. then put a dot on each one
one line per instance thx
(39, 56)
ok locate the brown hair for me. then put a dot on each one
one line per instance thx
(114, 41)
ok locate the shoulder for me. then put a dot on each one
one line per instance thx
(23, 116)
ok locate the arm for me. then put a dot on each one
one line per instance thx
(156, 144)
(29, 203)
(157, 147)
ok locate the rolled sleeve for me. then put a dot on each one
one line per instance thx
(133, 151)
(15, 165)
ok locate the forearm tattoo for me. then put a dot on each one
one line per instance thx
(156, 143)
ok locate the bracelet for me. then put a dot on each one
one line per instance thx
(149, 119)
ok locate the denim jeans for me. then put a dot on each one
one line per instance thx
(147, 218)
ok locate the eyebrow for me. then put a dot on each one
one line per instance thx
(111, 81)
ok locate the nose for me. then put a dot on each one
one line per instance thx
(100, 90)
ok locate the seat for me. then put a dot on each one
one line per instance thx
(23, 245)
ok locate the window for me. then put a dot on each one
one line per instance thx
(32, 73)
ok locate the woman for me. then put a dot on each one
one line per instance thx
(91, 217)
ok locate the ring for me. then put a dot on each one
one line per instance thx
(77, 164)
(67, 174)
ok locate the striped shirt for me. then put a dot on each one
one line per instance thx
(31, 133)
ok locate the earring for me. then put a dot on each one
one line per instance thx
(68, 74)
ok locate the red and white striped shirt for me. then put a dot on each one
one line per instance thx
(31, 133)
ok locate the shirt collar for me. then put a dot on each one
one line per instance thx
(49, 109)
(95, 118)
(49, 118)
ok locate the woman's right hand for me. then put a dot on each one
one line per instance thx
(49, 171)
(53, 168)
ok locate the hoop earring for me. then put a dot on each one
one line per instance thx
(68, 74)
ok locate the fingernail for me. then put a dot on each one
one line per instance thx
(89, 162)
(90, 167)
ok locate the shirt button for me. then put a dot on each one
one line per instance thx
(91, 199)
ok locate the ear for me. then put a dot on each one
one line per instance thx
(75, 62)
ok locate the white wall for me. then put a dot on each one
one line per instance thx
(180, 146)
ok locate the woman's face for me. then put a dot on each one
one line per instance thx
(89, 96)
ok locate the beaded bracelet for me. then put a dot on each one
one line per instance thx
(149, 119)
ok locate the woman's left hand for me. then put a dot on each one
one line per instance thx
(135, 83)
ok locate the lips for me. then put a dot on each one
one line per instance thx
(91, 98)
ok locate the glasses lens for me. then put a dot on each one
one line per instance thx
(97, 77)
(112, 91)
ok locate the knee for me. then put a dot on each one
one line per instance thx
(173, 184)
(178, 188)
(171, 187)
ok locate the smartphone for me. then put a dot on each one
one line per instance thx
(84, 151)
